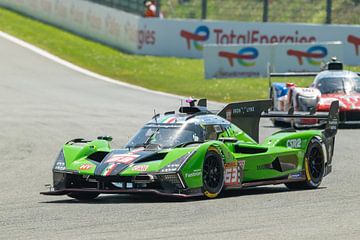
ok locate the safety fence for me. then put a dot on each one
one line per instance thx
(298, 11)
(131, 6)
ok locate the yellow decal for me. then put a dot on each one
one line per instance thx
(210, 195)
(307, 169)
(212, 148)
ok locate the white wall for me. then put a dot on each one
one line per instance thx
(107, 25)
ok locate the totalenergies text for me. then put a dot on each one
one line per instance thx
(255, 36)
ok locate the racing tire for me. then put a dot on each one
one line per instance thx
(83, 196)
(314, 164)
(213, 174)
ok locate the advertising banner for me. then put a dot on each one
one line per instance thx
(186, 38)
(306, 57)
(252, 60)
(178, 37)
(236, 61)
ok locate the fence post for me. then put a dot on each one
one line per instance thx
(203, 9)
(328, 11)
(266, 11)
(158, 6)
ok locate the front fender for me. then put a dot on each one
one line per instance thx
(192, 170)
(73, 152)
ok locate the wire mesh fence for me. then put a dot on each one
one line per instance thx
(301, 11)
(304, 11)
(132, 6)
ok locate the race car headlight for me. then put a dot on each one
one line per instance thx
(60, 164)
(178, 163)
(308, 101)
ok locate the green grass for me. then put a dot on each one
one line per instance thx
(179, 76)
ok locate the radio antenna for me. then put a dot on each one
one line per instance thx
(155, 115)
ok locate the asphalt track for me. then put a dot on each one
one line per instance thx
(43, 104)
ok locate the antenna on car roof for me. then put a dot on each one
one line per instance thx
(191, 101)
(156, 116)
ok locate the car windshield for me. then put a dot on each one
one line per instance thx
(166, 136)
(338, 85)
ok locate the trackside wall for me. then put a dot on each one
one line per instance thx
(179, 38)
(94, 21)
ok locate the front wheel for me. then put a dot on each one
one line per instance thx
(314, 164)
(213, 174)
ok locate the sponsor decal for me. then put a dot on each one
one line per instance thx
(244, 56)
(235, 74)
(201, 34)
(295, 175)
(232, 174)
(140, 149)
(95, 21)
(122, 158)
(315, 52)
(195, 173)
(86, 166)
(169, 120)
(77, 15)
(355, 41)
(107, 171)
(146, 37)
(242, 164)
(293, 143)
(243, 110)
(140, 168)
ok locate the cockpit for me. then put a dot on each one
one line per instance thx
(345, 85)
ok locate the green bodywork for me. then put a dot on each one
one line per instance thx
(254, 160)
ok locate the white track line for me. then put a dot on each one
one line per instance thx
(77, 68)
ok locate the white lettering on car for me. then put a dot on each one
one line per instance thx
(294, 143)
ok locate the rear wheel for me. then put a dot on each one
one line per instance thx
(314, 164)
(83, 195)
(213, 174)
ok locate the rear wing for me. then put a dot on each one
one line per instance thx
(247, 115)
(332, 65)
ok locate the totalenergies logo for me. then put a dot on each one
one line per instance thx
(244, 57)
(315, 52)
(356, 41)
(201, 34)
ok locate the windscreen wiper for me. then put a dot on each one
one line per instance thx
(150, 137)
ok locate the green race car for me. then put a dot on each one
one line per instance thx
(198, 153)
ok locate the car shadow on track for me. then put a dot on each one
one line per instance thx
(261, 191)
(153, 198)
